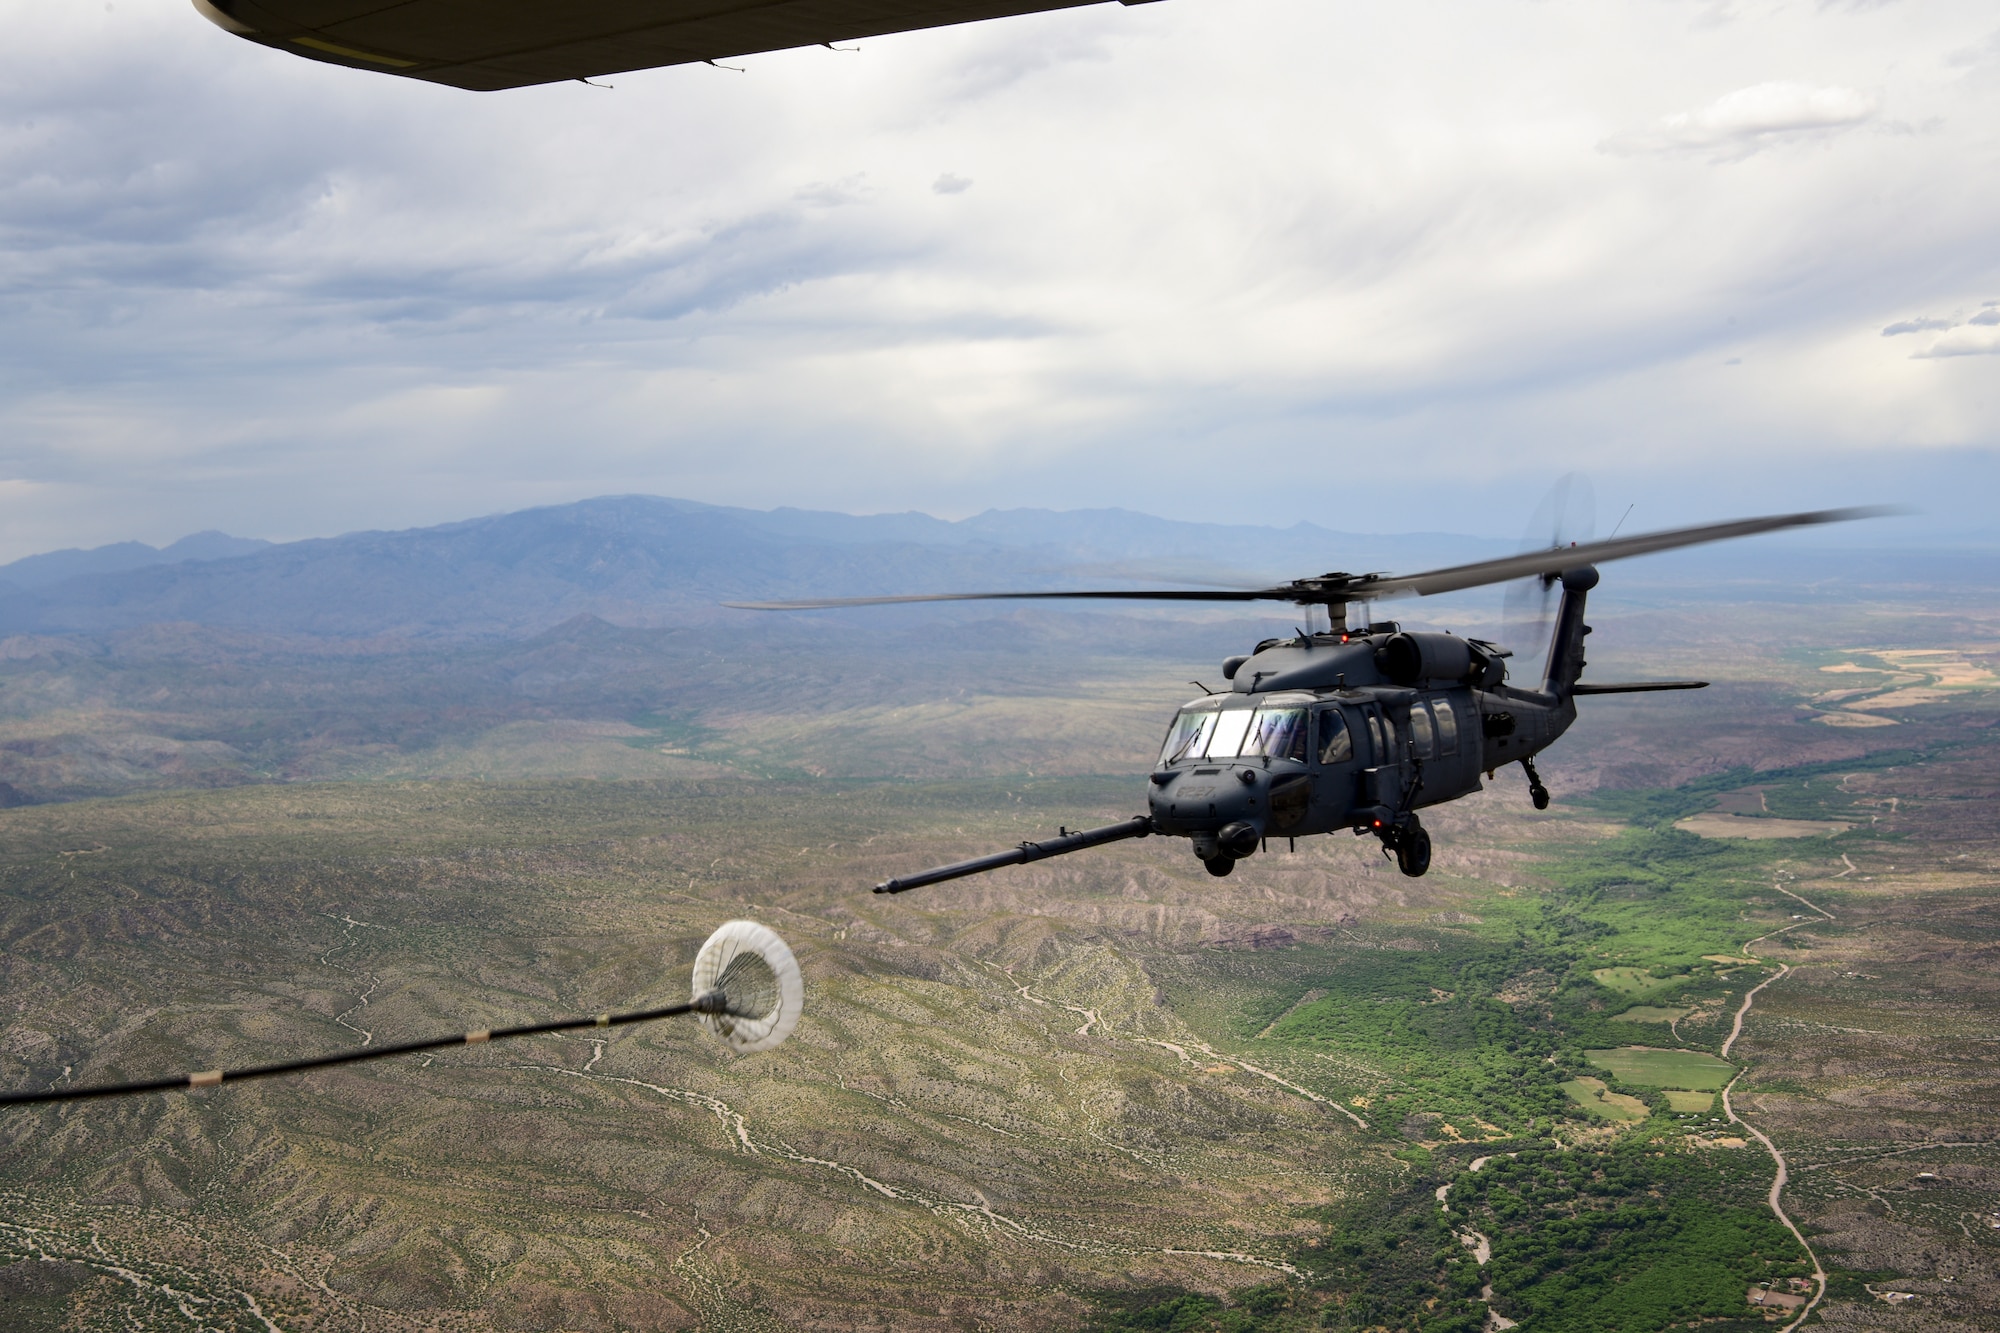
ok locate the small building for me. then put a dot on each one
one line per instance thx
(1765, 1298)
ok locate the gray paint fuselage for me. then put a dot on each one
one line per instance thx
(1392, 766)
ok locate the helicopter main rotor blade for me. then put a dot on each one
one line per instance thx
(1556, 560)
(1338, 589)
(1142, 594)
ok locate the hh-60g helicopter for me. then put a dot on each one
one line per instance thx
(1360, 726)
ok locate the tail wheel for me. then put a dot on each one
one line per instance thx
(1413, 850)
(1221, 866)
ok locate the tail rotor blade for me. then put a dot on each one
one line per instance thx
(1525, 616)
(1567, 515)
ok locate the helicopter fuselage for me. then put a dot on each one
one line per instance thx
(1353, 751)
(1355, 729)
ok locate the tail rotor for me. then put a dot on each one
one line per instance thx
(1566, 516)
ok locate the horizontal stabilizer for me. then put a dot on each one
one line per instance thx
(1637, 686)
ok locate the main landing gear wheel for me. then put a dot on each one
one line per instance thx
(1413, 850)
(1536, 791)
(1221, 866)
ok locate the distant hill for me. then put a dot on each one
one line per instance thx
(44, 571)
(648, 560)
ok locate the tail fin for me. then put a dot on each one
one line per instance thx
(1566, 645)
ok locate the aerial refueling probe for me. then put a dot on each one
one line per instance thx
(1139, 826)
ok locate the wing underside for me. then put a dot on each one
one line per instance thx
(486, 45)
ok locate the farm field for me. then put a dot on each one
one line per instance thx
(1627, 980)
(1688, 1103)
(1595, 1098)
(1652, 1013)
(1759, 827)
(1694, 1071)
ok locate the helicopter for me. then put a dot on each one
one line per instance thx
(488, 45)
(1360, 726)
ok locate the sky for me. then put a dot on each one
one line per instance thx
(1377, 267)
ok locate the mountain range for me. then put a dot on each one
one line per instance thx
(639, 560)
(654, 561)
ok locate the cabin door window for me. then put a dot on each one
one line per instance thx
(1447, 727)
(1336, 746)
(1420, 730)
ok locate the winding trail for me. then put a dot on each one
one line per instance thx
(1777, 1190)
(51, 1245)
(326, 960)
(1249, 1068)
(976, 1214)
(1776, 1197)
(367, 1037)
(1750, 998)
(1928, 1145)
(1092, 1020)
(1799, 898)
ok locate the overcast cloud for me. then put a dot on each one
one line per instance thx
(1378, 266)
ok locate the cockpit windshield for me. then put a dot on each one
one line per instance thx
(1277, 733)
(1227, 738)
(1206, 733)
(1188, 738)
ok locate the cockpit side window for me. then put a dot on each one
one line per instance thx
(1188, 737)
(1336, 746)
(1279, 733)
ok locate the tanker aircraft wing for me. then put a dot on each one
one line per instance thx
(485, 45)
